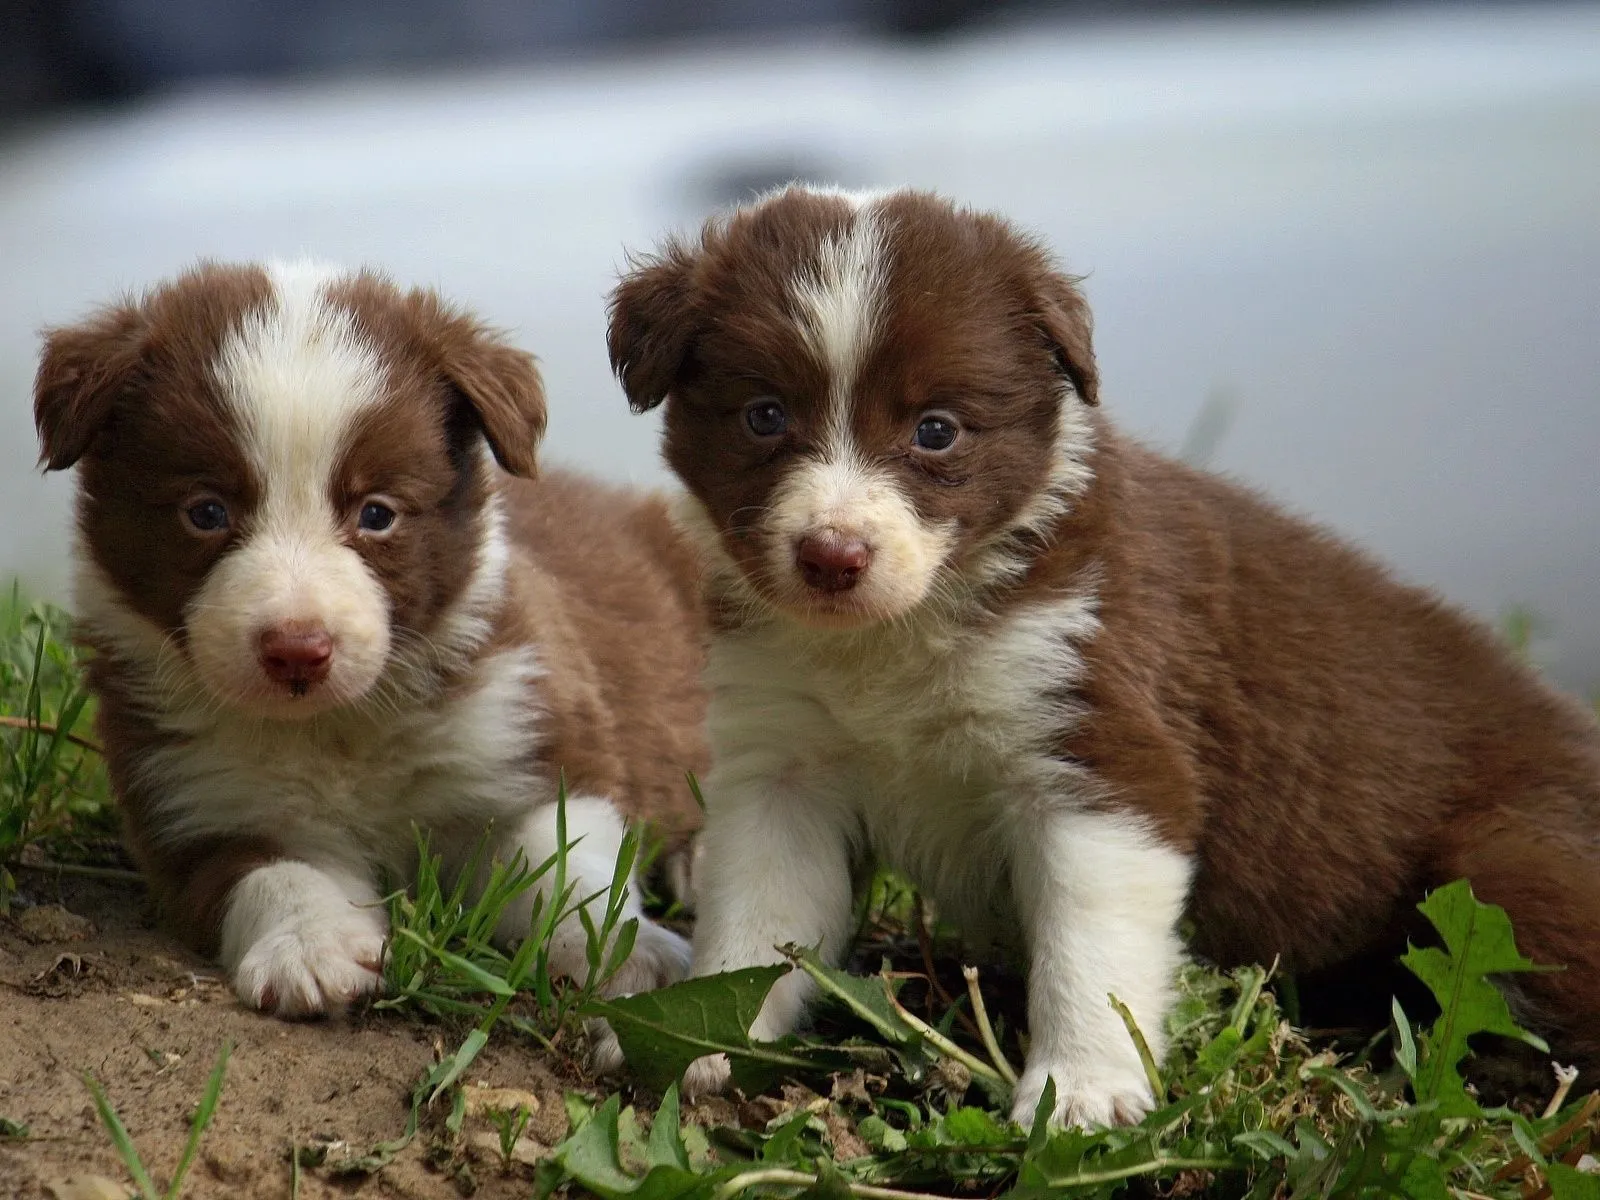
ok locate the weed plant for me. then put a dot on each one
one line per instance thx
(878, 1101)
(53, 787)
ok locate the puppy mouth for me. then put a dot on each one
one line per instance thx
(832, 579)
(294, 700)
(291, 697)
(831, 612)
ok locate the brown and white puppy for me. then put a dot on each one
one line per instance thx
(321, 613)
(1072, 688)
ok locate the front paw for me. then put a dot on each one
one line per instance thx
(1089, 1098)
(659, 958)
(311, 966)
(707, 1076)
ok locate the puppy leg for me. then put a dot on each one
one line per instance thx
(594, 837)
(1100, 898)
(301, 940)
(775, 869)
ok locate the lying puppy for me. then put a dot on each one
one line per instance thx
(1071, 688)
(320, 614)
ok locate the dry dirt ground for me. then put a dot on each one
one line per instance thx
(88, 984)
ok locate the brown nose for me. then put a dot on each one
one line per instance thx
(297, 654)
(831, 562)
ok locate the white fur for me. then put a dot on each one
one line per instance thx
(301, 939)
(1100, 899)
(839, 296)
(346, 787)
(382, 746)
(843, 495)
(1004, 560)
(915, 721)
(594, 838)
(926, 744)
(296, 375)
(361, 775)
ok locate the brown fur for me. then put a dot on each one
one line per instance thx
(597, 580)
(1327, 742)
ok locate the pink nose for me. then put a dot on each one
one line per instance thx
(831, 562)
(296, 653)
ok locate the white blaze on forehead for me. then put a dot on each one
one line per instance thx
(839, 297)
(296, 373)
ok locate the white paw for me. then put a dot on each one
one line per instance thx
(308, 967)
(1089, 1099)
(660, 958)
(707, 1076)
(605, 1052)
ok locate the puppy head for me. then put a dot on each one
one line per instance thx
(282, 475)
(867, 395)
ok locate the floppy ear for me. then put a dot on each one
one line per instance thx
(499, 382)
(1063, 315)
(83, 369)
(502, 385)
(653, 322)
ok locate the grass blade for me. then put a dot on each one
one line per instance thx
(121, 1139)
(202, 1118)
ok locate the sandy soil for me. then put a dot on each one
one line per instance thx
(88, 984)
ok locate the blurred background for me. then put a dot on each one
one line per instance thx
(1348, 254)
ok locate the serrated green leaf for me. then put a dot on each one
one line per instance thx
(880, 1135)
(976, 1127)
(591, 1157)
(1478, 943)
(663, 1031)
(863, 996)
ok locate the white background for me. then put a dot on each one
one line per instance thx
(1374, 236)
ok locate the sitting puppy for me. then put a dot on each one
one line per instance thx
(1073, 689)
(320, 614)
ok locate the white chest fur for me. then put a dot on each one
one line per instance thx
(938, 735)
(361, 779)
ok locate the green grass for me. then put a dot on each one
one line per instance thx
(53, 787)
(902, 1087)
(123, 1140)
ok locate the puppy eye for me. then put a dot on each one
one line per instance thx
(375, 517)
(207, 516)
(935, 434)
(766, 418)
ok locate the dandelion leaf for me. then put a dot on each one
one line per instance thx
(1478, 944)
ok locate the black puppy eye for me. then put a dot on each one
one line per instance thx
(207, 516)
(766, 418)
(935, 434)
(375, 517)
